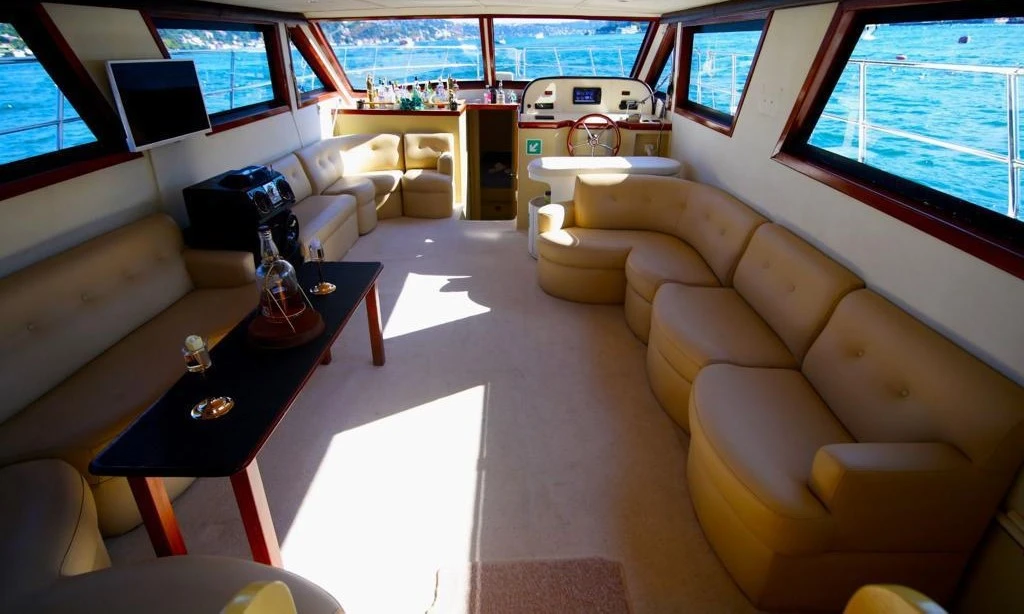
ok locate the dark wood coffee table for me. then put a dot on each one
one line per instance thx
(166, 441)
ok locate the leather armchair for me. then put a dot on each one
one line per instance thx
(427, 185)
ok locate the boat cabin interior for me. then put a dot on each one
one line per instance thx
(549, 306)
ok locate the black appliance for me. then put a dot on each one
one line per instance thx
(226, 211)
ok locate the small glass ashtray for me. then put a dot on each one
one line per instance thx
(213, 407)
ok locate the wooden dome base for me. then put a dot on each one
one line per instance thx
(267, 334)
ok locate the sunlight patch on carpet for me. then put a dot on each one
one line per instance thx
(427, 301)
(391, 502)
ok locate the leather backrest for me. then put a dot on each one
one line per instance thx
(423, 150)
(791, 285)
(890, 378)
(718, 226)
(323, 163)
(363, 153)
(58, 314)
(714, 223)
(628, 202)
(293, 171)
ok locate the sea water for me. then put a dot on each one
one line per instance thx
(968, 109)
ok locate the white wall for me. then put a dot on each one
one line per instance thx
(977, 305)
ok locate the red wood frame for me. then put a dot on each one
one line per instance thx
(41, 34)
(645, 48)
(158, 516)
(308, 51)
(698, 113)
(486, 42)
(840, 39)
(668, 44)
(223, 121)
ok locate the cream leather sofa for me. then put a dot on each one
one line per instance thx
(92, 336)
(54, 560)
(372, 168)
(625, 235)
(835, 440)
(427, 185)
(331, 219)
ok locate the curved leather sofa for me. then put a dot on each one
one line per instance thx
(835, 440)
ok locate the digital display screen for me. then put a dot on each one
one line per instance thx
(586, 95)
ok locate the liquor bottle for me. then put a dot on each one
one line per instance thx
(501, 94)
(281, 297)
(371, 95)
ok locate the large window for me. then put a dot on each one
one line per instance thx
(717, 62)
(526, 49)
(54, 122)
(406, 50)
(236, 64)
(919, 113)
(35, 117)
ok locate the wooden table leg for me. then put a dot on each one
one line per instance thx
(373, 316)
(158, 515)
(259, 526)
(327, 358)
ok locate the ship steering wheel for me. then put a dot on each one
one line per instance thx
(588, 136)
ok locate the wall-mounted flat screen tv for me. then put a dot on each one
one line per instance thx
(160, 101)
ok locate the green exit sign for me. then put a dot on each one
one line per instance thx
(533, 147)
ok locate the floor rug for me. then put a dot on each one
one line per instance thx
(568, 586)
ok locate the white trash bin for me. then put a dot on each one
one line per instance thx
(531, 241)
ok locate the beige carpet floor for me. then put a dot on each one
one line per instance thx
(506, 425)
(567, 586)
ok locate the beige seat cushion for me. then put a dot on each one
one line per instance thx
(49, 527)
(660, 258)
(694, 327)
(362, 188)
(757, 431)
(384, 182)
(423, 150)
(172, 585)
(77, 418)
(324, 217)
(418, 180)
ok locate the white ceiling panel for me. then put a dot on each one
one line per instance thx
(382, 8)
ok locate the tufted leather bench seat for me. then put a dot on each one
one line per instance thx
(623, 236)
(835, 441)
(427, 185)
(332, 219)
(390, 175)
(783, 292)
(91, 337)
(882, 459)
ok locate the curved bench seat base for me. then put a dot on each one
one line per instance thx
(813, 582)
(598, 286)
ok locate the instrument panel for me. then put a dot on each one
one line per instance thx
(568, 98)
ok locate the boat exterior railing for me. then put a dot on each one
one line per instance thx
(1013, 159)
(59, 122)
(1014, 77)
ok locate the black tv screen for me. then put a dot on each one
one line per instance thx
(159, 100)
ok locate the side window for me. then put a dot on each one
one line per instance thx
(54, 121)
(918, 112)
(716, 62)
(236, 63)
(306, 81)
(36, 117)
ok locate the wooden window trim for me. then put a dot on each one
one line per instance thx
(240, 116)
(668, 44)
(706, 116)
(52, 51)
(645, 47)
(989, 236)
(308, 52)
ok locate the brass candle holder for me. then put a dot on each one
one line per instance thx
(316, 252)
(197, 360)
